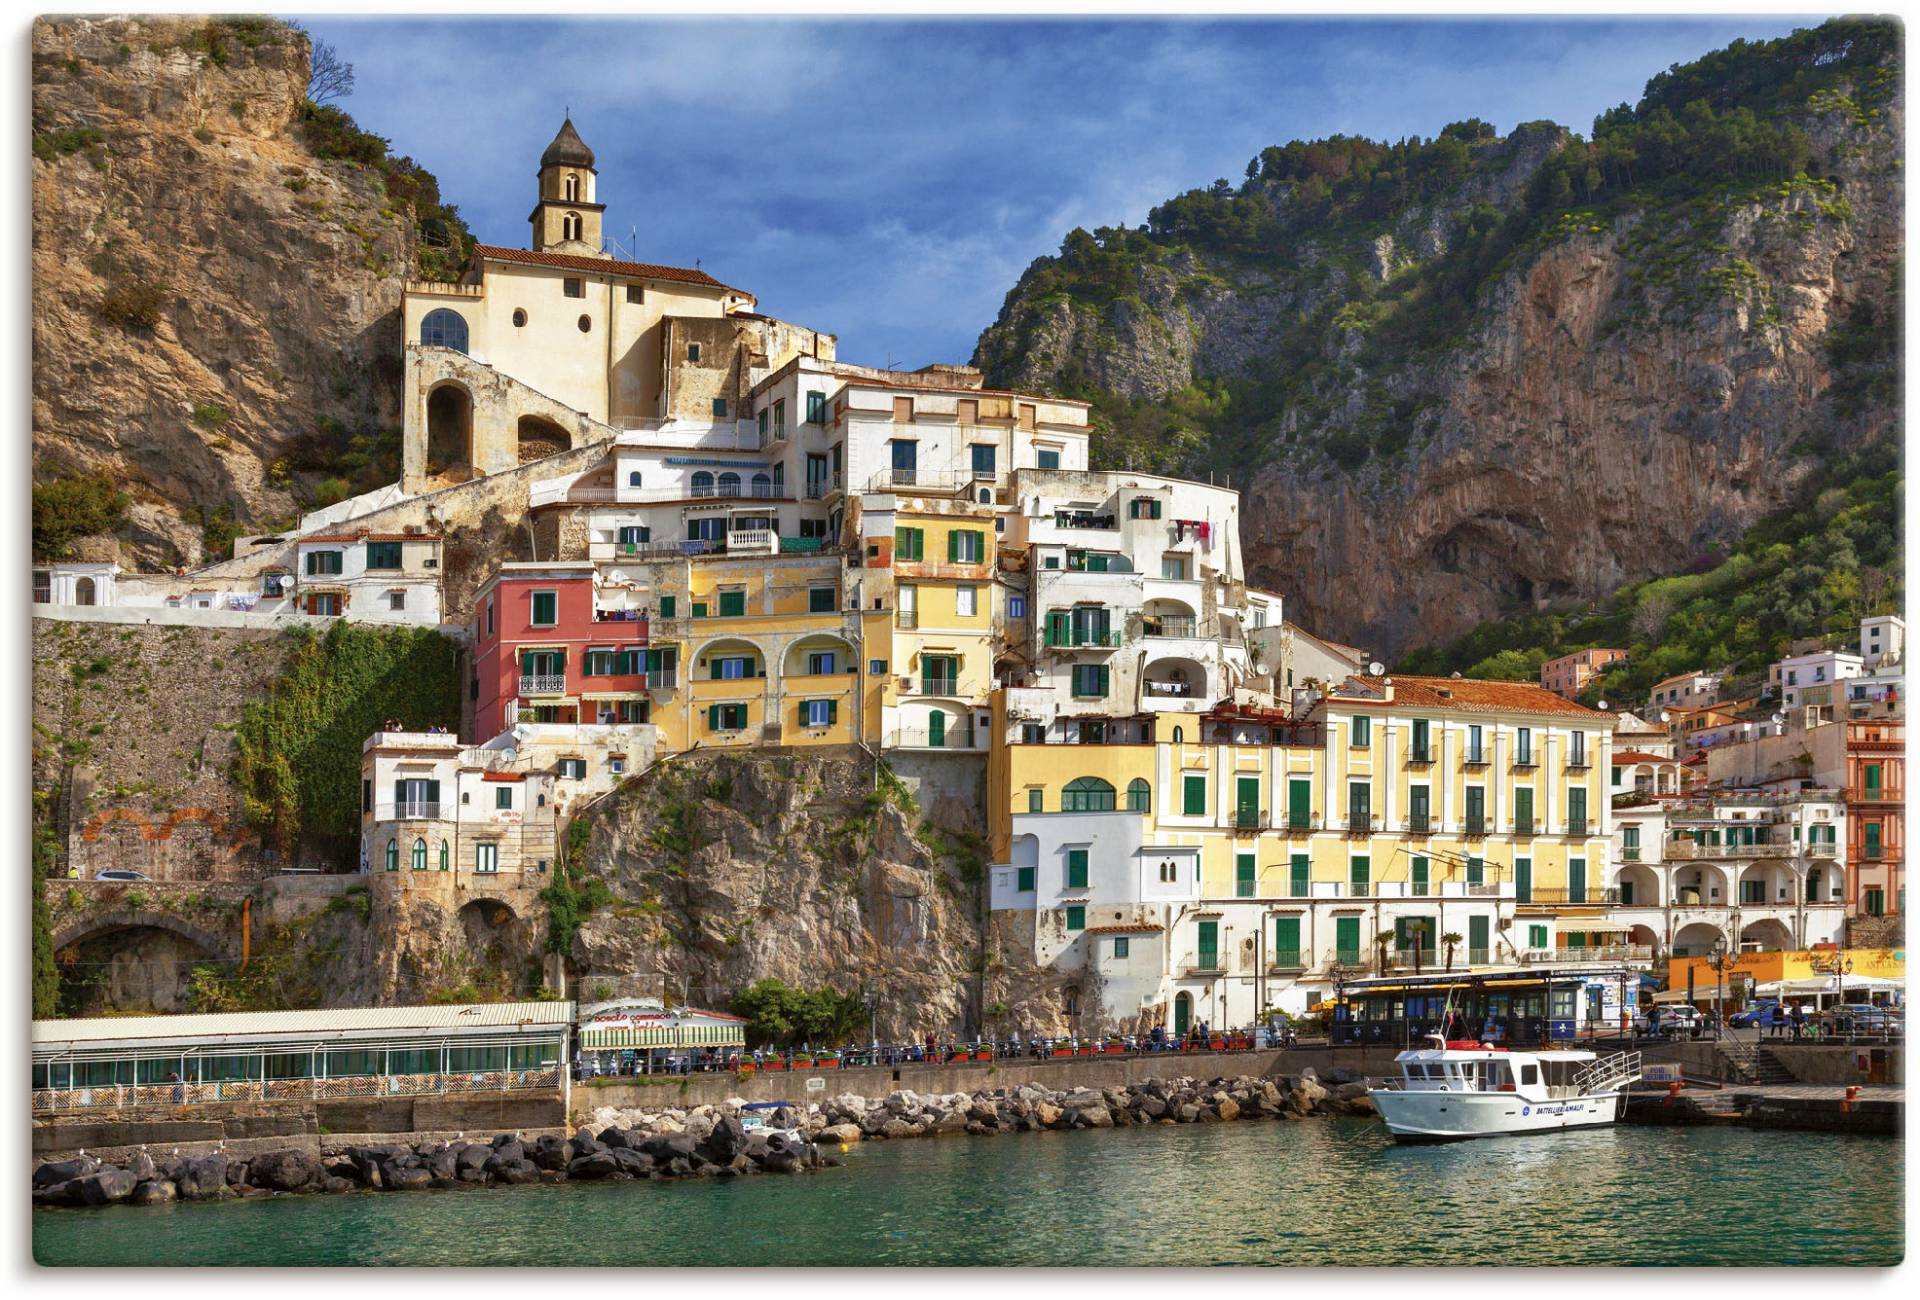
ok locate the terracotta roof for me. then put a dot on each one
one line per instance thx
(601, 265)
(1124, 929)
(503, 776)
(1636, 756)
(1464, 695)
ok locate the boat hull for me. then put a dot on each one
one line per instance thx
(1459, 1117)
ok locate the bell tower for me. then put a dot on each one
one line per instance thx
(566, 219)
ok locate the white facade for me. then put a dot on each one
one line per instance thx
(1802, 676)
(1883, 639)
(365, 578)
(1682, 691)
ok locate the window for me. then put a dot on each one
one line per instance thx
(726, 717)
(446, 860)
(419, 855)
(1245, 872)
(1120, 946)
(1418, 751)
(816, 408)
(1089, 681)
(1076, 868)
(1076, 919)
(1476, 808)
(1046, 459)
(1085, 794)
(693, 351)
(546, 608)
(1360, 876)
(908, 543)
(1523, 747)
(574, 287)
(519, 317)
(1174, 567)
(393, 855)
(1362, 732)
(1024, 881)
(1036, 801)
(1476, 744)
(489, 616)
(1193, 796)
(503, 796)
(441, 328)
(635, 534)
(1576, 812)
(396, 599)
(585, 323)
(731, 668)
(1143, 508)
(383, 555)
(983, 458)
(323, 563)
(1577, 751)
(611, 663)
(1299, 875)
(636, 293)
(1139, 796)
(1537, 936)
(733, 604)
(719, 408)
(966, 546)
(1016, 606)
(1360, 806)
(325, 602)
(818, 713)
(964, 601)
(271, 585)
(486, 858)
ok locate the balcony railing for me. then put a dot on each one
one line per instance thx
(1475, 758)
(1578, 763)
(939, 686)
(1180, 626)
(1475, 825)
(1361, 823)
(663, 679)
(906, 618)
(1168, 690)
(1523, 825)
(1875, 796)
(543, 683)
(751, 491)
(1478, 957)
(1248, 819)
(1577, 897)
(1605, 953)
(1577, 826)
(1084, 519)
(1630, 853)
(1082, 639)
(408, 810)
(1419, 754)
(1525, 761)
(921, 738)
(1300, 824)
(1287, 959)
(819, 488)
(1419, 824)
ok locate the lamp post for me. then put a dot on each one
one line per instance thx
(1719, 960)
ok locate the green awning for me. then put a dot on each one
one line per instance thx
(596, 1038)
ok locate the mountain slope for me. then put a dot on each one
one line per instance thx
(1474, 375)
(217, 269)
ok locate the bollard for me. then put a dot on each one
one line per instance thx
(1853, 1095)
(1673, 1093)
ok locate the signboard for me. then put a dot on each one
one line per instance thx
(816, 1084)
(1661, 1072)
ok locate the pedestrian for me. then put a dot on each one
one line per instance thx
(1799, 1020)
(179, 1087)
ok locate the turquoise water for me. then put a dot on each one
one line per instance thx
(1314, 1193)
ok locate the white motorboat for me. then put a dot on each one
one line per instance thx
(1466, 1089)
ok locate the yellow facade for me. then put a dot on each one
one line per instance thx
(943, 560)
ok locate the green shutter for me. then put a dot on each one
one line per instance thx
(1523, 880)
(1286, 940)
(833, 712)
(666, 607)
(1299, 802)
(733, 604)
(1576, 880)
(1359, 873)
(1076, 918)
(1036, 801)
(953, 545)
(1476, 871)
(1245, 875)
(1346, 938)
(1522, 808)
(1076, 868)
(1477, 930)
(1576, 805)
(1193, 796)
(1101, 679)
(1208, 945)
(1421, 873)
(1025, 881)
(1536, 936)
(1300, 875)
(713, 717)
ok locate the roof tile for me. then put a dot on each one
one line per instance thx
(1466, 695)
(604, 265)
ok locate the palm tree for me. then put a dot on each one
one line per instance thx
(1383, 941)
(1452, 941)
(1416, 930)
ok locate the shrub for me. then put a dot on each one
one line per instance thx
(77, 505)
(133, 304)
(56, 144)
(209, 415)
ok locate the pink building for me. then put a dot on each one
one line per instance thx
(1569, 674)
(544, 652)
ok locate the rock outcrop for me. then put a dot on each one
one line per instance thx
(207, 293)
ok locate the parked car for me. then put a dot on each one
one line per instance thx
(118, 875)
(1760, 1015)
(1676, 1021)
(1864, 1018)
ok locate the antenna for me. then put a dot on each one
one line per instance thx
(1376, 669)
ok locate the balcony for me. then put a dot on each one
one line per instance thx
(1361, 823)
(1287, 959)
(543, 683)
(1538, 897)
(963, 570)
(1875, 796)
(961, 737)
(1298, 824)
(1578, 826)
(1248, 819)
(938, 686)
(1419, 756)
(1479, 957)
(1080, 638)
(1609, 953)
(1525, 762)
(1419, 824)
(1578, 763)
(906, 619)
(1475, 758)
(1523, 826)
(1475, 825)
(1204, 966)
(1176, 626)
(1167, 690)
(746, 491)
(663, 679)
(1630, 853)
(408, 810)
(819, 489)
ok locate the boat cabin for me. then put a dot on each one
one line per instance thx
(1542, 1077)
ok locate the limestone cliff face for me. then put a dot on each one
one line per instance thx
(728, 869)
(1627, 394)
(206, 292)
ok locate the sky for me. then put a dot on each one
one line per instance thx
(888, 181)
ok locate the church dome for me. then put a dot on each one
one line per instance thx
(567, 149)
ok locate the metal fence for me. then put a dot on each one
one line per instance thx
(112, 1096)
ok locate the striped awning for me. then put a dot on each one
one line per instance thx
(595, 1038)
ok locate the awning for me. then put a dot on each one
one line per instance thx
(597, 1038)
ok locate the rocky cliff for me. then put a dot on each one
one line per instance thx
(809, 868)
(215, 306)
(1486, 374)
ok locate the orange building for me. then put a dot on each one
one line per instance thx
(1876, 816)
(1569, 674)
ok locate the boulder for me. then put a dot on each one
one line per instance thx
(282, 1171)
(142, 1168)
(60, 1171)
(108, 1185)
(612, 1137)
(896, 1127)
(593, 1165)
(1362, 1105)
(407, 1179)
(550, 1153)
(1229, 1109)
(954, 1121)
(1092, 1115)
(632, 1162)
(203, 1178)
(1187, 1113)
(517, 1172)
(1046, 1113)
(1153, 1105)
(335, 1184)
(155, 1191)
(664, 1147)
(507, 1153)
(237, 1173)
(842, 1134)
(726, 1141)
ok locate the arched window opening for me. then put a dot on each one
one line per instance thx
(1087, 794)
(633, 479)
(1178, 735)
(442, 328)
(729, 484)
(419, 855)
(519, 315)
(702, 483)
(446, 862)
(762, 485)
(573, 189)
(393, 855)
(1139, 796)
(83, 592)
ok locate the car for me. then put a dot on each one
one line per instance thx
(1674, 1021)
(1864, 1018)
(118, 875)
(1760, 1015)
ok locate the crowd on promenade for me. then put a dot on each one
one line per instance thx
(931, 1050)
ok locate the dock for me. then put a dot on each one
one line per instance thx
(1865, 1108)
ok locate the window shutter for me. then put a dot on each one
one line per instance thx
(713, 717)
(1100, 680)
(833, 712)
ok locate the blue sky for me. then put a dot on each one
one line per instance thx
(887, 181)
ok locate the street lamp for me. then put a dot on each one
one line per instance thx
(1719, 960)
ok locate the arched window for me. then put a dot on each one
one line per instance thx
(1178, 735)
(446, 863)
(419, 855)
(393, 855)
(573, 189)
(729, 484)
(762, 484)
(633, 479)
(1139, 796)
(570, 225)
(1087, 794)
(83, 592)
(444, 329)
(703, 483)
(519, 316)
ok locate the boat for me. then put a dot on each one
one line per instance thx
(1463, 1088)
(757, 1116)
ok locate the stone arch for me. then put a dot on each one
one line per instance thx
(727, 647)
(1639, 880)
(449, 427)
(1647, 937)
(132, 960)
(795, 663)
(1771, 934)
(1696, 939)
(84, 592)
(1174, 677)
(540, 438)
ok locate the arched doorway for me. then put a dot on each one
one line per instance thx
(1771, 935)
(449, 429)
(540, 439)
(128, 965)
(1182, 1014)
(1696, 939)
(83, 592)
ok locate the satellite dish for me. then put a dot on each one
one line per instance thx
(1376, 668)
(1779, 717)
(1603, 706)
(1664, 715)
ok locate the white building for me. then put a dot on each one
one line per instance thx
(1807, 680)
(375, 578)
(1883, 638)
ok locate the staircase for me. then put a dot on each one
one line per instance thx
(1751, 1063)
(1770, 1071)
(1608, 1073)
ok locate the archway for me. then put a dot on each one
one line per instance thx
(1647, 937)
(83, 592)
(1638, 886)
(1771, 935)
(1182, 1014)
(449, 429)
(1175, 679)
(496, 946)
(1696, 939)
(814, 656)
(540, 439)
(132, 962)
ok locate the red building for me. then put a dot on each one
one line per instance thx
(544, 652)
(1876, 816)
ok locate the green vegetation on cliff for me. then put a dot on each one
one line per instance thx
(1814, 569)
(779, 1015)
(299, 749)
(71, 507)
